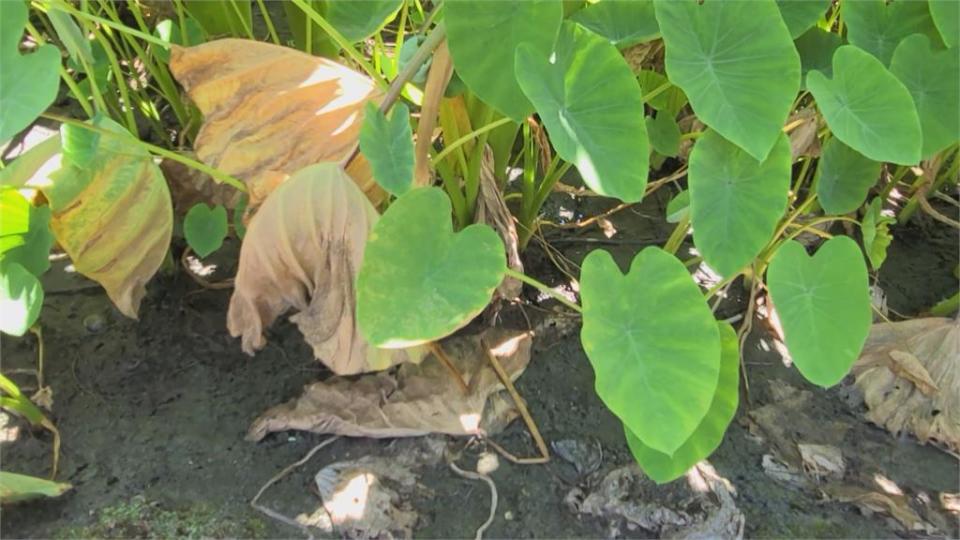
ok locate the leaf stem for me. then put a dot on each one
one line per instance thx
(543, 288)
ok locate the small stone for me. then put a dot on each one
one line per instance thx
(94, 323)
(508, 515)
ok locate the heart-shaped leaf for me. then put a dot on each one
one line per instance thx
(419, 280)
(867, 108)
(843, 177)
(876, 233)
(388, 145)
(877, 26)
(111, 210)
(664, 133)
(800, 15)
(737, 64)
(28, 83)
(946, 17)
(933, 79)
(622, 22)
(21, 297)
(735, 201)
(205, 227)
(592, 107)
(658, 381)
(824, 306)
(485, 64)
(709, 433)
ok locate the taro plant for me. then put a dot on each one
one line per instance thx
(787, 120)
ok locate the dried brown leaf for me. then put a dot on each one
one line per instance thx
(302, 251)
(803, 137)
(269, 111)
(414, 400)
(492, 210)
(908, 373)
(441, 70)
(871, 502)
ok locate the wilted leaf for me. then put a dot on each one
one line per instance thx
(803, 138)
(302, 251)
(111, 210)
(20, 487)
(270, 111)
(874, 501)
(188, 187)
(910, 377)
(414, 400)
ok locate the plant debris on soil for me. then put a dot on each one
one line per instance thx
(153, 415)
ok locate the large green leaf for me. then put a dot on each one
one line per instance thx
(800, 15)
(419, 280)
(709, 433)
(824, 306)
(946, 17)
(843, 177)
(876, 233)
(867, 108)
(735, 201)
(623, 22)
(933, 79)
(21, 297)
(205, 227)
(592, 108)
(877, 26)
(816, 48)
(28, 83)
(653, 344)
(388, 146)
(737, 64)
(20, 487)
(483, 36)
(223, 18)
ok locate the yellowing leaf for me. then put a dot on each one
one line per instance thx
(302, 251)
(270, 111)
(111, 210)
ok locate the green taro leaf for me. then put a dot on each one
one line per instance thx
(877, 26)
(843, 177)
(21, 297)
(28, 83)
(737, 64)
(816, 48)
(205, 228)
(824, 306)
(592, 108)
(800, 15)
(20, 487)
(419, 280)
(657, 379)
(735, 201)
(678, 207)
(664, 134)
(34, 253)
(483, 36)
(359, 20)
(946, 17)
(933, 79)
(622, 22)
(14, 219)
(876, 233)
(867, 108)
(388, 146)
(671, 100)
(709, 433)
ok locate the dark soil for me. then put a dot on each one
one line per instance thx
(153, 415)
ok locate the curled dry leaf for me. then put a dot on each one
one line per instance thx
(803, 137)
(189, 186)
(870, 502)
(269, 111)
(414, 400)
(492, 210)
(441, 70)
(302, 251)
(909, 373)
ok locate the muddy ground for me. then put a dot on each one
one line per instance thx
(153, 415)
